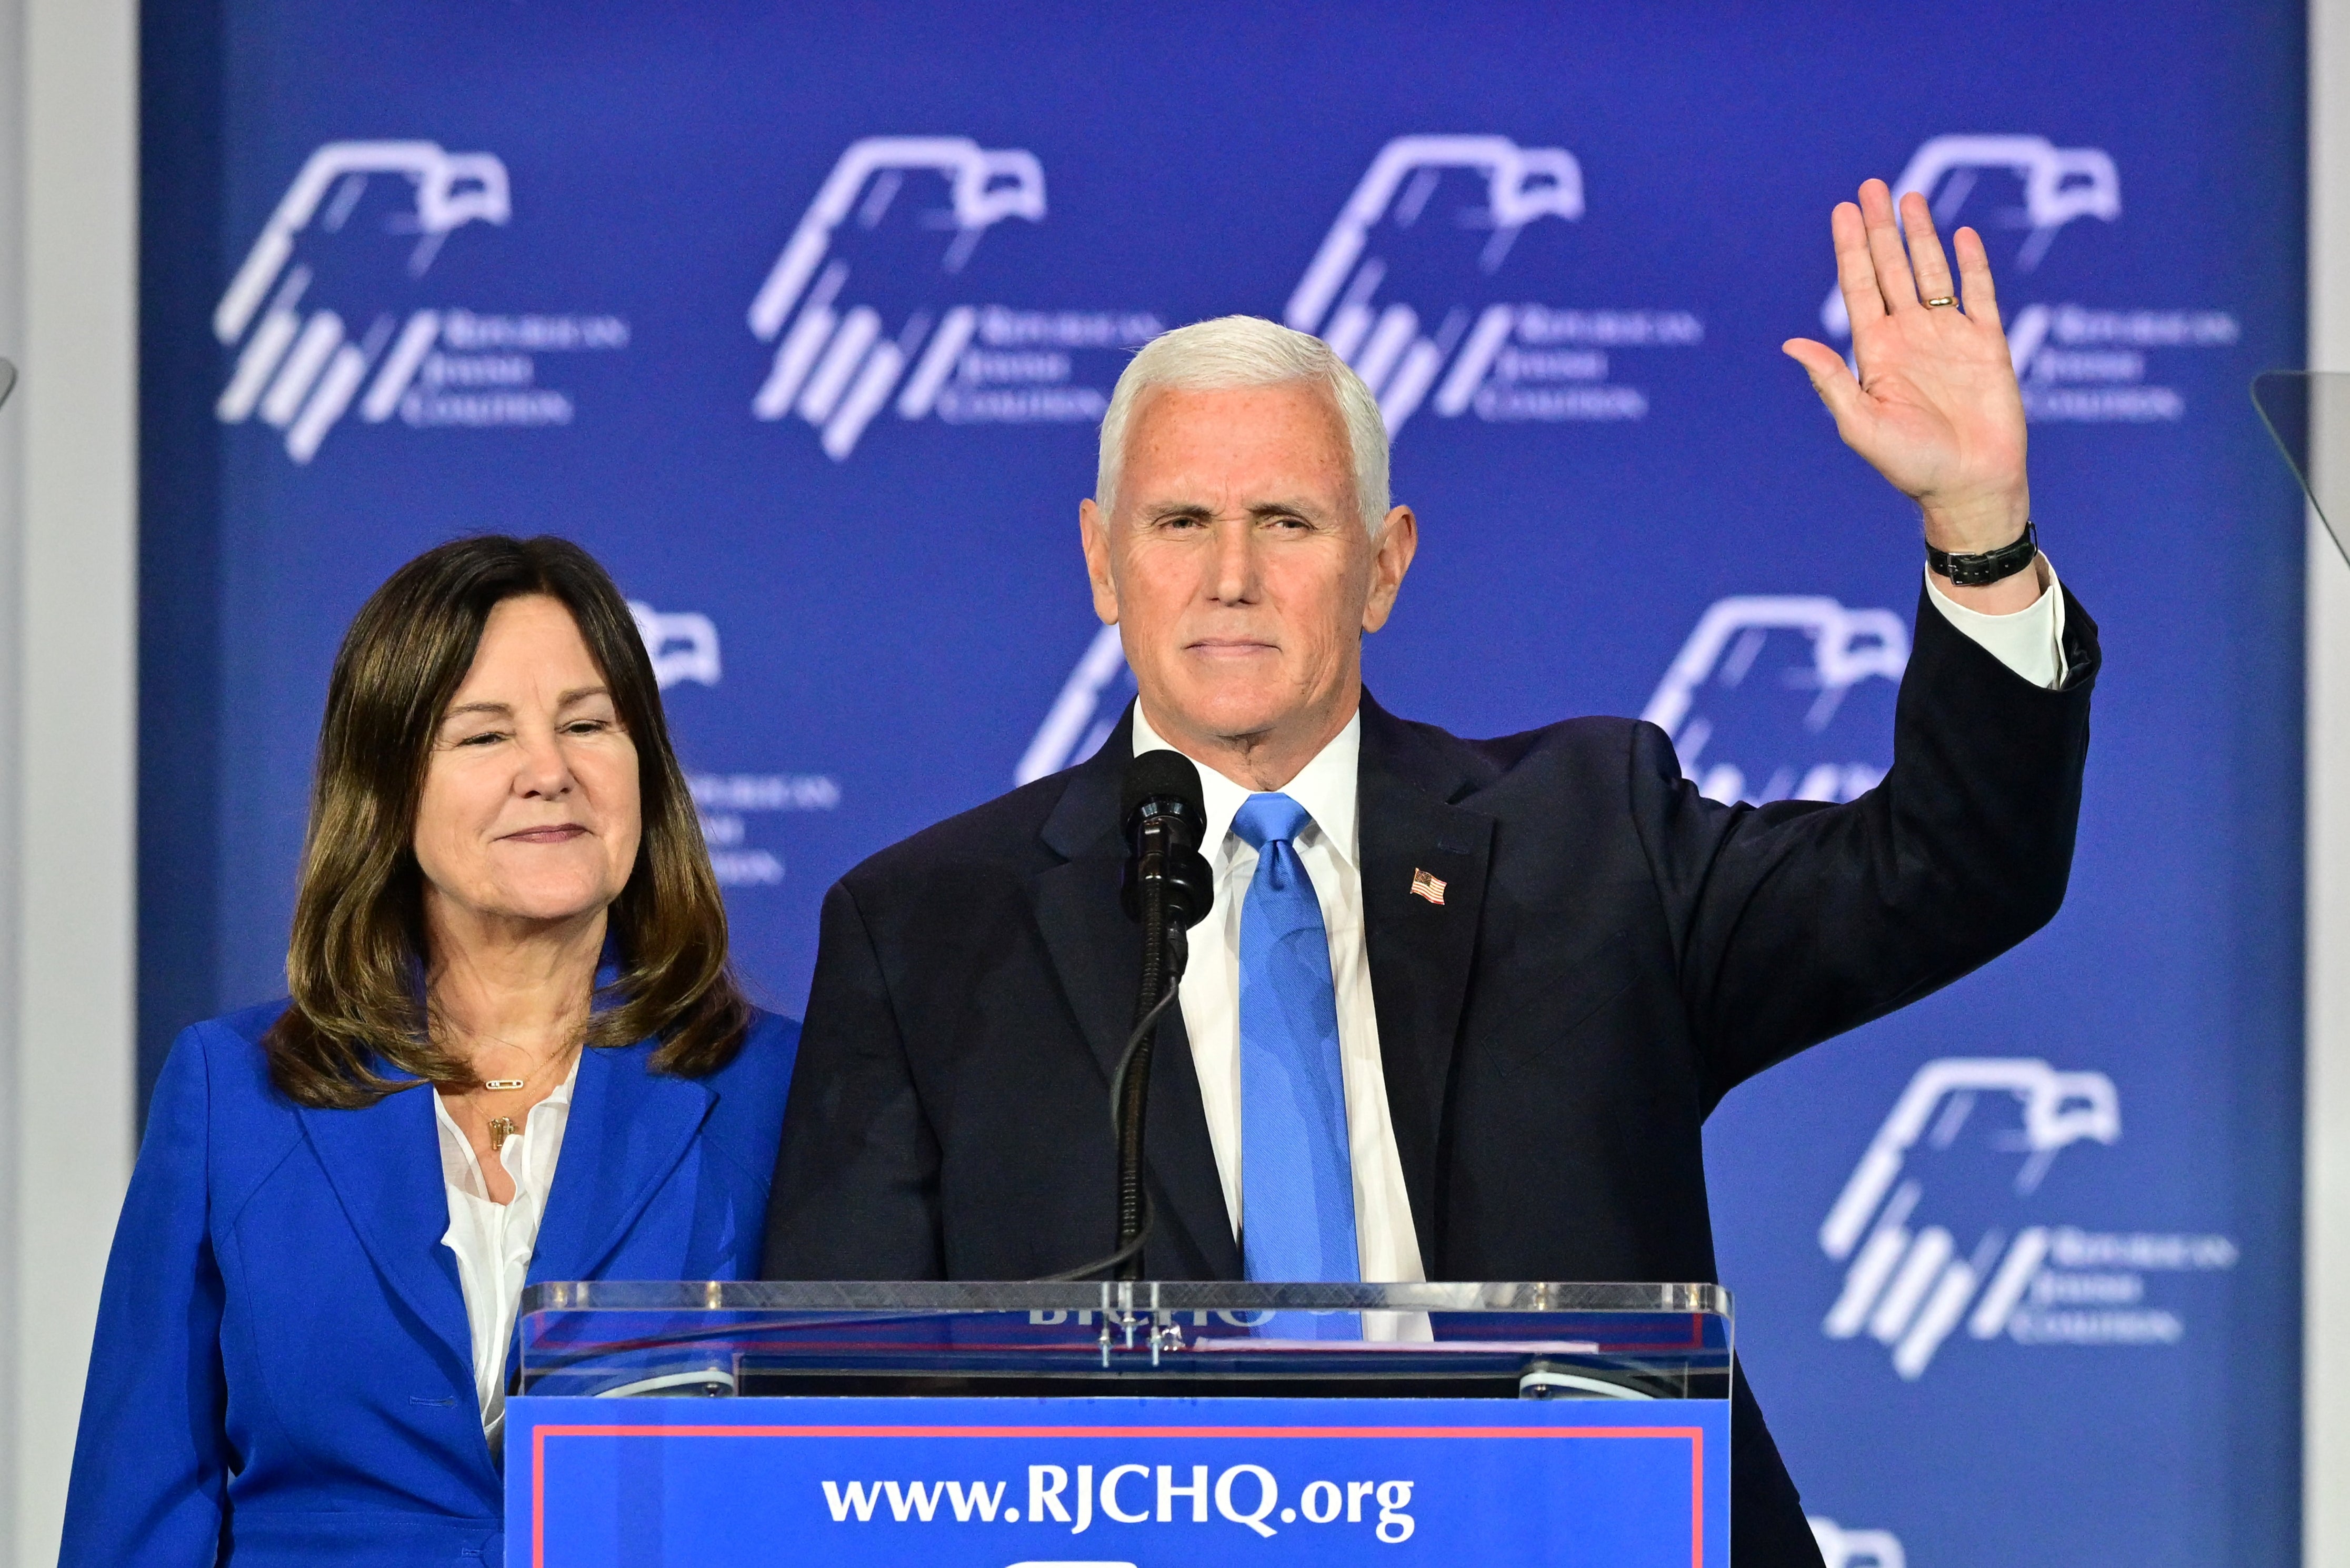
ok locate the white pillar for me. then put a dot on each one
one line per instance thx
(68, 711)
(2325, 1220)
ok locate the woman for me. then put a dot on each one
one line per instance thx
(513, 1052)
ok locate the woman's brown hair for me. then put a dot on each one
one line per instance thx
(357, 961)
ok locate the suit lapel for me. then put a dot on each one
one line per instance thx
(384, 1164)
(1421, 951)
(1097, 952)
(628, 1131)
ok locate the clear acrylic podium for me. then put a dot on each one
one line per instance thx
(2308, 413)
(1049, 1425)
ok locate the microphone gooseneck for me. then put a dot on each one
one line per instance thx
(1167, 888)
(1168, 891)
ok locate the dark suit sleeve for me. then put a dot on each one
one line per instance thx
(857, 1181)
(1796, 921)
(151, 1466)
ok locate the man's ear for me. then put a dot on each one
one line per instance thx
(1390, 559)
(1093, 529)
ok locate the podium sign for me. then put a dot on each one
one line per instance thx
(982, 1483)
(996, 1424)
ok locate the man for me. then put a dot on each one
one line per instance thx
(1525, 969)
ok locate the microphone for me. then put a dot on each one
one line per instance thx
(1162, 809)
(1166, 888)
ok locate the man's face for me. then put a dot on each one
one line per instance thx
(1237, 568)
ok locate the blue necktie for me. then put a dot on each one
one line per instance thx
(1297, 1181)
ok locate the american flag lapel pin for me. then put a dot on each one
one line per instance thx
(1431, 887)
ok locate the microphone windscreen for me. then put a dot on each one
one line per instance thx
(1161, 774)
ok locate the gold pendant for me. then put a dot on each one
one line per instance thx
(501, 1129)
(503, 1084)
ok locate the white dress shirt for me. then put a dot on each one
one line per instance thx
(494, 1242)
(2030, 642)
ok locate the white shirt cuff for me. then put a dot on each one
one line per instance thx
(2031, 641)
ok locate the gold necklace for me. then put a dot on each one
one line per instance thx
(502, 1128)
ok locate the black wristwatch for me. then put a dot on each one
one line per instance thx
(1974, 571)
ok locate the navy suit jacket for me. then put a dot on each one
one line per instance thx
(284, 1373)
(1614, 953)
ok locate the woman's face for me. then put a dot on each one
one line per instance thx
(530, 810)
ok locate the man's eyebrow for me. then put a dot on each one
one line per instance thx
(1201, 511)
(1264, 509)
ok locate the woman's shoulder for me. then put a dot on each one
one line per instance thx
(762, 1068)
(214, 1102)
(248, 1023)
(223, 1056)
(759, 1069)
(236, 1035)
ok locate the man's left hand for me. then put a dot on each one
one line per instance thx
(1936, 409)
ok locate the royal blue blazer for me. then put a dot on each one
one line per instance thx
(284, 1373)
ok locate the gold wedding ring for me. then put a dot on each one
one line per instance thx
(1945, 299)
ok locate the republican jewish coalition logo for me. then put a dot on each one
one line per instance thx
(334, 304)
(1413, 287)
(1782, 696)
(1939, 1226)
(2080, 363)
(869, 307)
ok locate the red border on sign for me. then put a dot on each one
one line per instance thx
(1695, 1436)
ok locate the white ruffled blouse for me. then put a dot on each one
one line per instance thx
(494, 1242)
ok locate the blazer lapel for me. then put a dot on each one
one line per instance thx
(384, 1164)
(1097, 951)
(628, 1131)
(1418, 848)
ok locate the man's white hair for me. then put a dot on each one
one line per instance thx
(1233, 351)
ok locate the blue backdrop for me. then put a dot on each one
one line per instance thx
(802, 323)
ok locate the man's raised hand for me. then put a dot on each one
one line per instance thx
(1936, 409)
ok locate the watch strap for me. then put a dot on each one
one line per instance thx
(1990, 566)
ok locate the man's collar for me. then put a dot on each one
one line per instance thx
(1325, 786)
